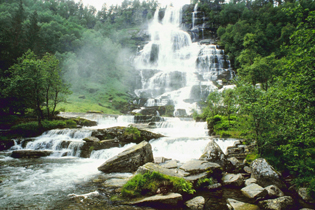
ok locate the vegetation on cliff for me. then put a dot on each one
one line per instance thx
(272, 50)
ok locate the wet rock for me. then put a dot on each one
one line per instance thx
(194, 178)
(115, 183)
(214, 186)
(233, 165)
(196, 203)
(6, 144)
(254, 191)
(274, 191)
(90, 146)
(150, 167)
(247, 169)
(31, 153)
(170, 164)
(171, 199)
(265, 174)
(304, 195)
(233, 180)
(213, 153)
(282, 203)
(84, 196)
(129, 160)
(123, 135)
(238, 205)
(199, 166)
(91, 139)
(84, 122)
(250, 181)
(159, 160)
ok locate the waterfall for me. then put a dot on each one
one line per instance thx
(174, 70)
(194, 15)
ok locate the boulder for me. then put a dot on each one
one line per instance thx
(159, 160)
(254, 191)
(170, 164)
(250, 181)
(196, 177)
(265, 174)
(115, 183)
(124, 136)
(91, 139)
(281, 203)
(247, 169)
(89, 146)
(129, 160)
(214, 186)
(274, 191)
(304, 195)
(150, 167)
(213, 153)
(233, 180)
(31, 153)
(6, 144)
(233, 165)
(160, 201)
(198, 166)
(238, 205)
(196, 203)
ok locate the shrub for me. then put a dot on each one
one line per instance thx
(133, 131)
(251, 157)
(204, 182)
(148, 184)
(30, 129)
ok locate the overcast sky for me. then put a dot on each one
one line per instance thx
(98, 3)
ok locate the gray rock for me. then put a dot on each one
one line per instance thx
(274, 191)
(265, 174)
(170, 164)
(115, 183)
(304, 195)
(91, 139)
(282, 203)
(196, 177)
(250, 181)
(238, 205)
(129, 160)
(31, 153)
(150, 167)
(213, 153)
(254, 191)
(171, 199)
(247, 169)
(159, 160)
(196, 203)
(199, 166)
(233, 180)
(214, 186)
(233, 165)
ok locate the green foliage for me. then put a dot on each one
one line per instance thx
(148, 184)
(169, 111)
(204, 182)
(251, 157)
(132, 131)
(31, 129)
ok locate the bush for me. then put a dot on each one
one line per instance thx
(149, 183)
(204, 182)
(31, 129)
(133, 131)
(251, 157)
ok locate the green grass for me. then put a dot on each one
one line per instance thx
(148, 184)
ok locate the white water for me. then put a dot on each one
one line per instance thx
(175, 71)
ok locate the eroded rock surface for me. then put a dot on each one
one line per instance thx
(129, 160)
(31, 153)
(196, 203)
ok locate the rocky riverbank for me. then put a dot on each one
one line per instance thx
(259, 185)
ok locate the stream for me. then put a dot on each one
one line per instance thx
(45, 183)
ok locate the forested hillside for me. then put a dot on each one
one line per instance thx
(90, 51)
(272, 50)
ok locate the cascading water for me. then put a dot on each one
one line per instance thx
(175, 71)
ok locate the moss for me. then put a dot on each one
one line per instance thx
(149, 183)
(132, 131)
(91, 148)
(251, 157)
(204, 182)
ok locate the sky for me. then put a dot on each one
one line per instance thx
(98, 3)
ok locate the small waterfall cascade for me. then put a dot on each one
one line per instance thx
(194, 14)
(174, 70)
(65, 142)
